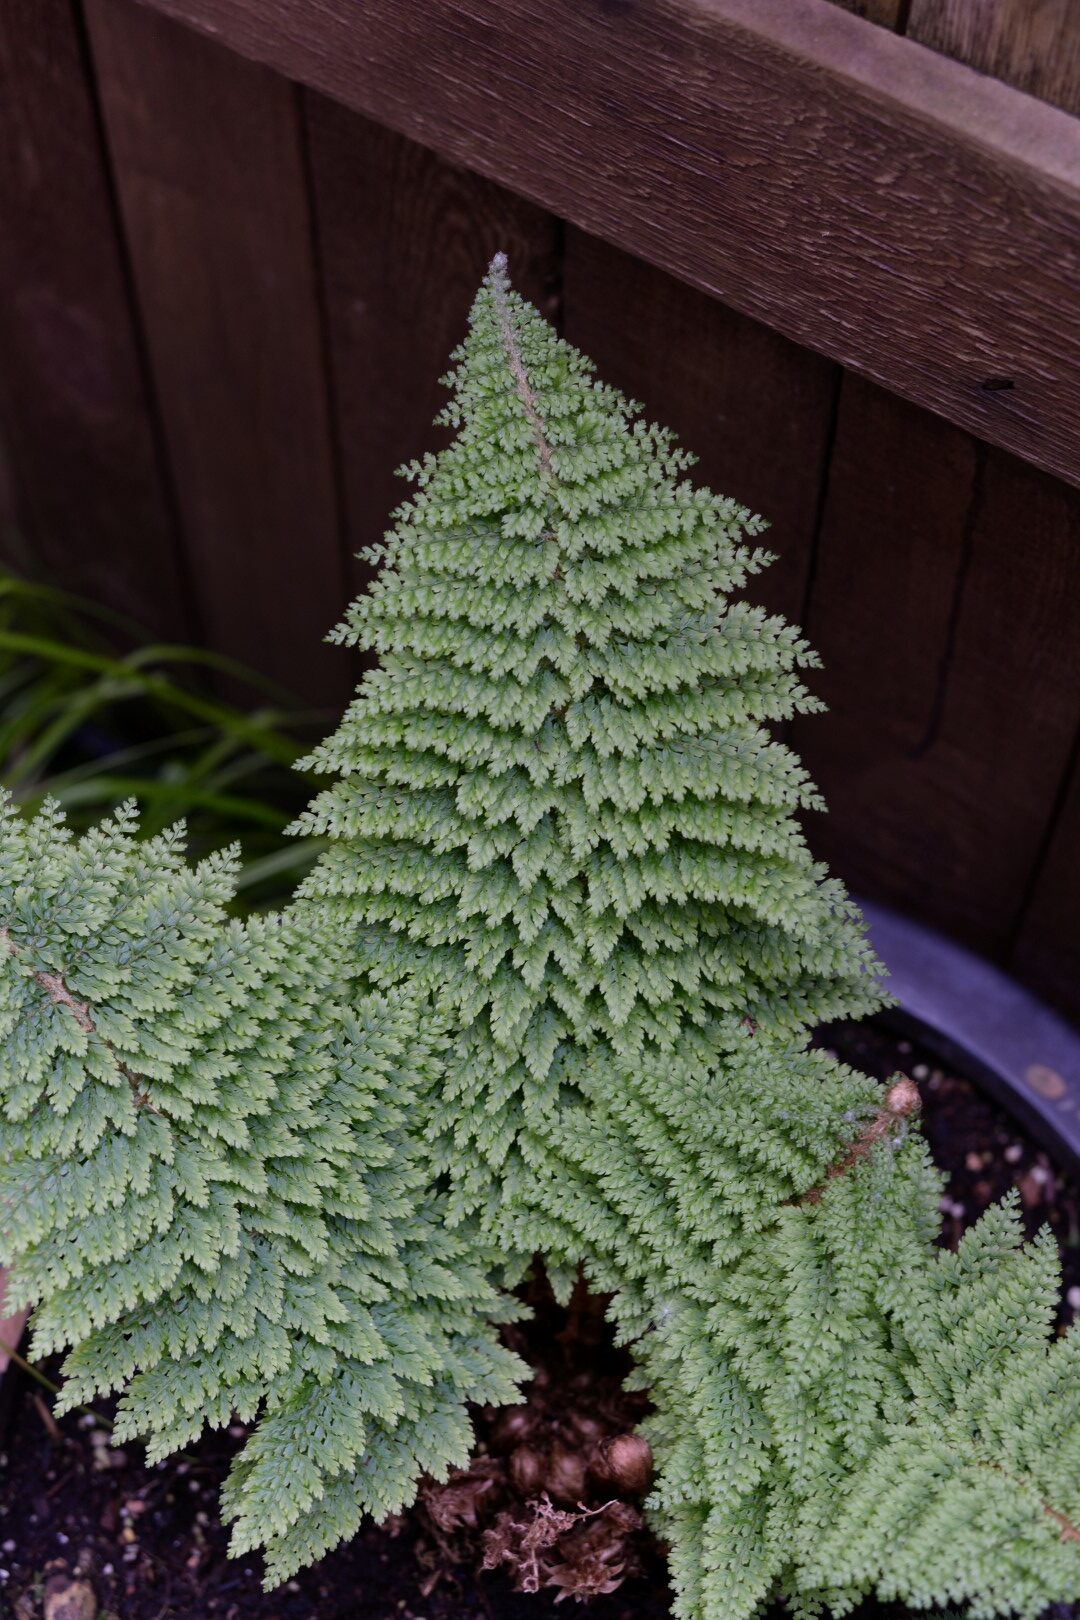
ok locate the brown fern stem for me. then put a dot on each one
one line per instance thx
(499, 286)
(1069, 1532)
(59, 994)
(901, 1101)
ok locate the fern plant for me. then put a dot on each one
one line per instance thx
(549, 989)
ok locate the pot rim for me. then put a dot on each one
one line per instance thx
(975, 1017)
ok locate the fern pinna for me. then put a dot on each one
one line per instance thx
(548, 990)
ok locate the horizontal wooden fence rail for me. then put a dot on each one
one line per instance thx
(878, 203)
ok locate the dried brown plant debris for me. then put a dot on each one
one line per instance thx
(623, 1462)
(581, 1553)
(466, 1499)
(551, 1495)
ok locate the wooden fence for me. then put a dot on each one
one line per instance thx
(239, 239)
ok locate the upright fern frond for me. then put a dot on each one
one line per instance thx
(559, 801)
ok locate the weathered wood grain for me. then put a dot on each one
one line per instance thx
(868, 197)
(82, 464)
(209, 165)
(754, 408)
(404, 240)
(1046, 951)
(1033, 44)
(946, 606)
(888, 13)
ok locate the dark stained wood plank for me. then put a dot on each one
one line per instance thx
(753, 407)
(888, 13)
(1046, 952)
(209, 163)
(871, 199)
(404, 240)
(85, 481)
(946, 606)
(1033, 44)
(9, 513)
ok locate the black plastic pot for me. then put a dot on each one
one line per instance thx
(980, 1022)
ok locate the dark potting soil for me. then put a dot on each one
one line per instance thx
(88, 1532)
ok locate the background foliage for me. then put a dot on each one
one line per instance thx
(92, 712)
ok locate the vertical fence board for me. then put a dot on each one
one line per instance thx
(888, 13)
(947, 609)
(209, 165)
(1037, 48)
(84, 472)
(754, 408)
(1047, 948)
(404, 240)
(1033, 44)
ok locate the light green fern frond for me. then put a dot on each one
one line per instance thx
(214, 1192)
